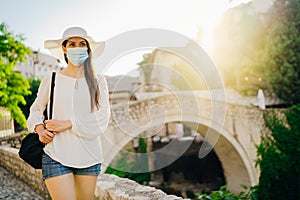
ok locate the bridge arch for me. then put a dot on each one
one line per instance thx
(239, 168)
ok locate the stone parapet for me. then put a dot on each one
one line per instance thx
(11, 161)
(109, 187)
(112, 187)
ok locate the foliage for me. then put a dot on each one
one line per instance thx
(279, 157)
(34, 86)
(124, 165)
(281, 55)
(224, 194)
(261, 50)
(13, 86)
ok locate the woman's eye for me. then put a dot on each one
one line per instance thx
(82, 44)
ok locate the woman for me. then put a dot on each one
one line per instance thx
(73, 154)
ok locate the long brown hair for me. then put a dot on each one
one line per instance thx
(90, 77)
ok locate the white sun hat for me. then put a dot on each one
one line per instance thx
(55, 46)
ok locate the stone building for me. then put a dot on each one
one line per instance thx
(122, 88)
(172, 72)
(37, 65)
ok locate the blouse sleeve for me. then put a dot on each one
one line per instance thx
(37, 108)
(94, 124)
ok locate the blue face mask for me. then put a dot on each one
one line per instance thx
(77, 56)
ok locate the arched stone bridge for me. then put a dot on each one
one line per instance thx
(233, 130)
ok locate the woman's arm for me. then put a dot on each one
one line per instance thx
(36, 116)
(45, 136)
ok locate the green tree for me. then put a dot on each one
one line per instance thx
(279, 157)
(281, 55)
(34, 86)
(13, 86)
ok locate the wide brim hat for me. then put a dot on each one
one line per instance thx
(55, 46)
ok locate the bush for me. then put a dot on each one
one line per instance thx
(125, 164)
(279, 157)
(224, 194)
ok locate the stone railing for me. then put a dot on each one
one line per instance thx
(108, 186)
(13, 140)
(112, 187)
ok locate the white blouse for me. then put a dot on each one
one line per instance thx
(80, 146)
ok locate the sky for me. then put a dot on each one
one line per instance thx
(41, 20)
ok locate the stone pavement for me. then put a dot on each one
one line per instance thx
(11, 188)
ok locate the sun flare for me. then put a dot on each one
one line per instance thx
(211, 13)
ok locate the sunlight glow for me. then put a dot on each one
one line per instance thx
(211, 13)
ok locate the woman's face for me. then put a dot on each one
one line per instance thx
(74, 43)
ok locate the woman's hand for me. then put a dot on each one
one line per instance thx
(57, 125)
(45, 136)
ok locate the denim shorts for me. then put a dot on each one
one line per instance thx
(51, 168)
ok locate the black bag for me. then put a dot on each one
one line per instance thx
(31, 150)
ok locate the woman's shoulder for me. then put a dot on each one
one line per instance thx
(50, 72)
(47, 75)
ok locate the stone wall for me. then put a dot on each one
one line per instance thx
(108, 186)
(11, 161)
(112, 187)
